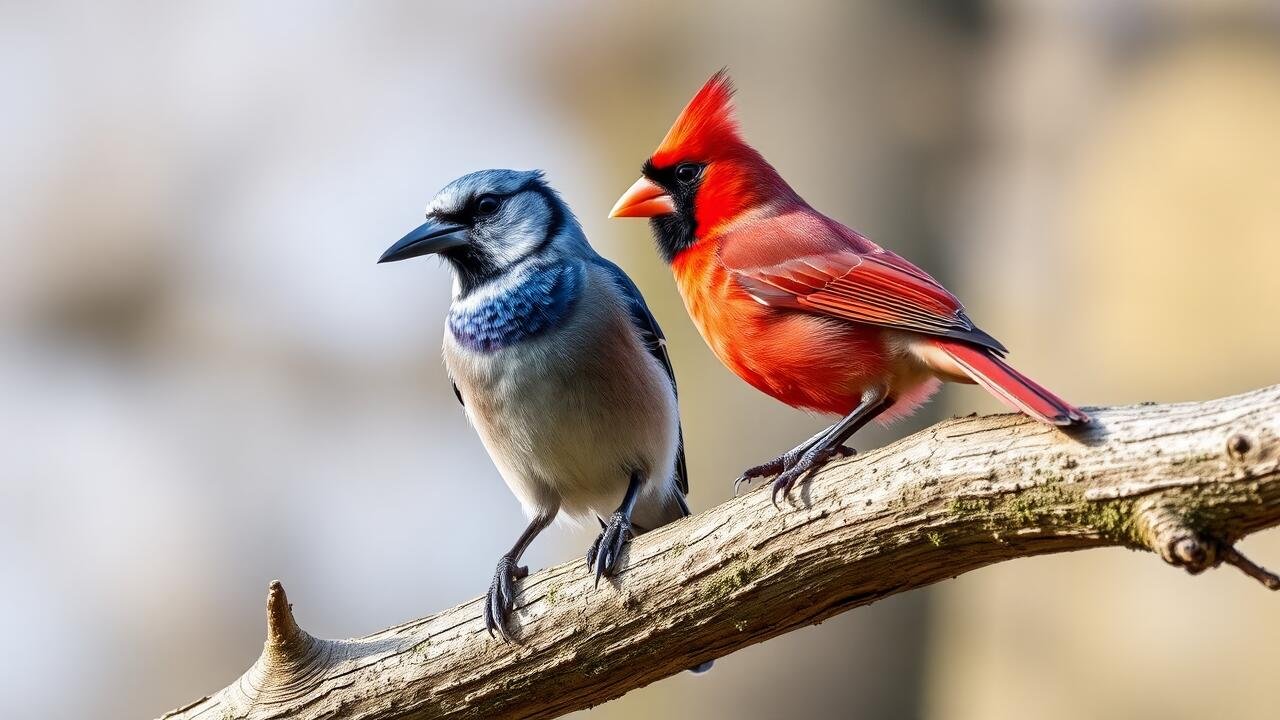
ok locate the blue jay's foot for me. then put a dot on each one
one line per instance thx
(607, 549)
(502, 596)
(782, 464)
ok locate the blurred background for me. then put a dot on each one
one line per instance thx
(207, 383)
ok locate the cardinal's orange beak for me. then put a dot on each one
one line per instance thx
(645, 198)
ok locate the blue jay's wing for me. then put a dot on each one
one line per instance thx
(656, 343)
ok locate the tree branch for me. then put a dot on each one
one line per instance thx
(1185, 481)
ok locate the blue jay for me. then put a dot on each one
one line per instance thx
(558, 364)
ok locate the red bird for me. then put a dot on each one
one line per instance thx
(800, 306)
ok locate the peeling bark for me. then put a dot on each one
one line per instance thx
(1185, 481)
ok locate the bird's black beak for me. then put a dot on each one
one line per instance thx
(430, 237)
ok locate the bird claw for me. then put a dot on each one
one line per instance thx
(788, 478)
(768, 469)
(606, 551)
(501, 598)
(807, 463)
(789, 468)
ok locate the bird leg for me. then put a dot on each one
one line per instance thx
(827, 444)
(605, 551)
(786, 460)
(502, 591)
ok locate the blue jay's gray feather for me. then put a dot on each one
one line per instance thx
(656, 343)
(560, 365)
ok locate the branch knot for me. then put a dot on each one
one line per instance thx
(292, 661)
(1166, 532)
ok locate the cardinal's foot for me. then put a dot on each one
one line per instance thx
(810, 460)
(502, 596)
(606, 550)
(784, 464)
(775, 466)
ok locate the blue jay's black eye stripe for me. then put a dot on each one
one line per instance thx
(556, 209)
(473, 265)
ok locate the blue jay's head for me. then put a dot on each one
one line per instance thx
(486, 222)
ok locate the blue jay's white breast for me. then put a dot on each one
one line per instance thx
(569, 411)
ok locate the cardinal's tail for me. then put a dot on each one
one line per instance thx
(1012, 387)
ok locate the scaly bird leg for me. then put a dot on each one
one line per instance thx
(818, 450)
(787, 460)
(501, 599)
(605, 551)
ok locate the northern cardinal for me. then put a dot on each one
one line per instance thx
(800, 306)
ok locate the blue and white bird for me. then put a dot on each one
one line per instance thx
(559, 365)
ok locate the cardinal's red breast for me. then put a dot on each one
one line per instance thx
(804, 360)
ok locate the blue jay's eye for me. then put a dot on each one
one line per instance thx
(688, 172)
(486, 205)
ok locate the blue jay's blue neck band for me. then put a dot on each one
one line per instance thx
(543, 298)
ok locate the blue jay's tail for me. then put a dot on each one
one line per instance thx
(684, 504)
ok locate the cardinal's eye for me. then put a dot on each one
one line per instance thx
(688, 172)
(487, 205)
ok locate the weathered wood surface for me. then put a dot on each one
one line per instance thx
(1184, 480)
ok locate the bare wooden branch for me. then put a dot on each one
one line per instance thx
(1185, 481)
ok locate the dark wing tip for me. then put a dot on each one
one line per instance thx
(977, 335)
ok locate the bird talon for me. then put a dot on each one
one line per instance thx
(773, 467)
(591, 552)
(783, 484)
(606, 551)
(501, 599)
(488, 617)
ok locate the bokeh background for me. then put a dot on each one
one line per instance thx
(207, 383)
